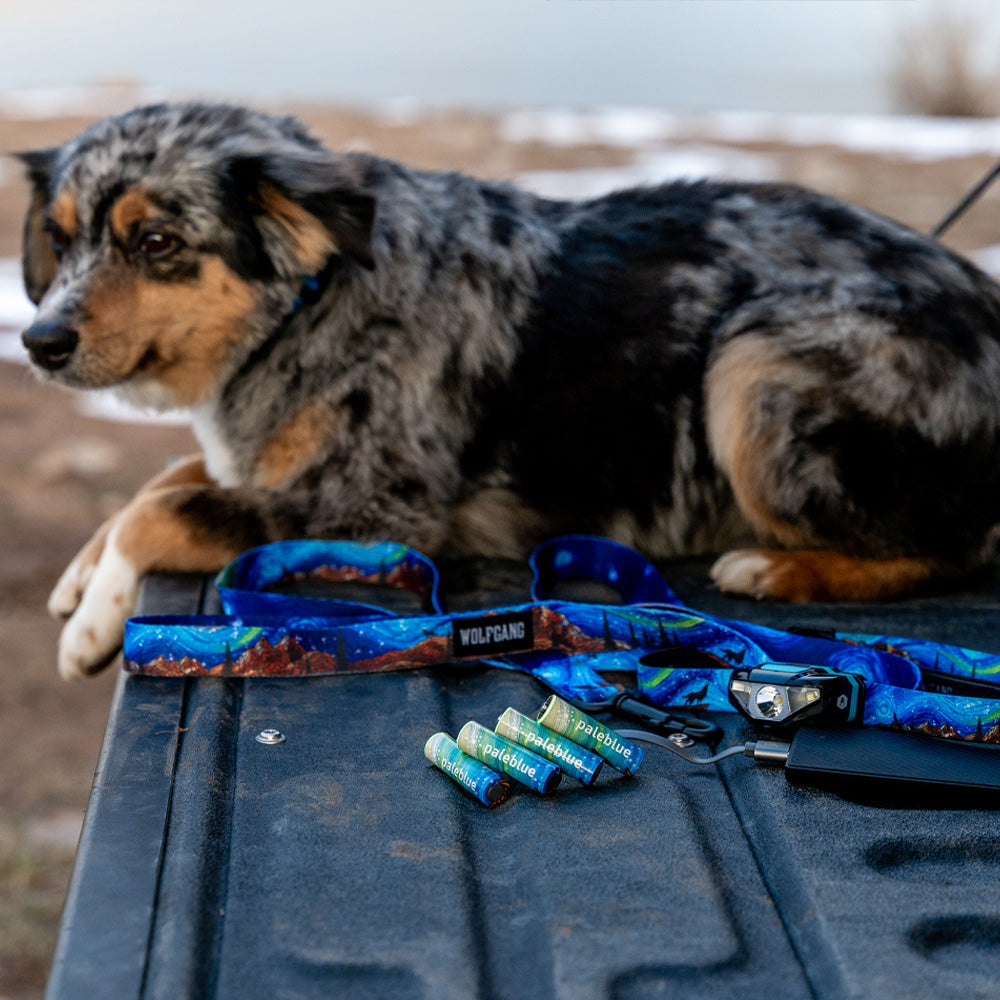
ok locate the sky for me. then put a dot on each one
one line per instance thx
(686, 55)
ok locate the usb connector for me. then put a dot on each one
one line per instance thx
(764, 751)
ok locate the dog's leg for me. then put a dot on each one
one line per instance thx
(193, 529)
(817, 575)
(68, 591)
(844, 496)
(198, 529)
(73, 582)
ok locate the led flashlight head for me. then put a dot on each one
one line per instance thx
(789, 693)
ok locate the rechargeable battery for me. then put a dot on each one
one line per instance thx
(473, 775)
(513, 759)
(620, 753)
(571, 758)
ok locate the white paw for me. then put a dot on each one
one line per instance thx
(93, 635)
(743, 571)
(66, 594)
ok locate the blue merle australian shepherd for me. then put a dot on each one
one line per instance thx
(371, 351)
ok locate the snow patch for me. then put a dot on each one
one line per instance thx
(620, 127)
(93, 101)
(988, 258)
(652, 167)
(909, 136)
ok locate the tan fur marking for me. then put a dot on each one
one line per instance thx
(180, 333)
(732, 388)
(187, 471)
(293, 446)
(151, 537)
(64, 212)
(311, 240)
(132, 207)
(811, 575)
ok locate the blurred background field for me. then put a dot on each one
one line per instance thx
(568, 97)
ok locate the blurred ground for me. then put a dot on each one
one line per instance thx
(61, 473)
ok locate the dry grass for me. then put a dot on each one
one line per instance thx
(32, 889)
(945, 64)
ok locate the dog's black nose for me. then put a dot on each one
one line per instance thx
(50, 345)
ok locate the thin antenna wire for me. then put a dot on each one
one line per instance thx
(966, 201)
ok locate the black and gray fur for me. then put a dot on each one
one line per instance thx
(501, 367)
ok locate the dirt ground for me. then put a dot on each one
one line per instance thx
(61, 473)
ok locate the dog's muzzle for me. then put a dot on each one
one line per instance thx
(50, 345)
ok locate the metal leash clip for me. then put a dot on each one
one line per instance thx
(631, 705)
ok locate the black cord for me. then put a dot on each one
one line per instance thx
(763, 751)
(966, 201)
(667, 744)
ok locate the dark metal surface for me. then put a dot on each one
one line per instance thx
(340, 864)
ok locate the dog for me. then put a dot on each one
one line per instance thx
(372, 351)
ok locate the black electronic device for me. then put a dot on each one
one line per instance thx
(872, 766)
(883, 767)
(781, 694)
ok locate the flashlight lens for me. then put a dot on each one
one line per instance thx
(769, 701)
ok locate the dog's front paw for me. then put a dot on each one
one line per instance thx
(68, 591)
(93, 635)
(71, 586)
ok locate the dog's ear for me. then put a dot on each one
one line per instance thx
(39, 262)
(317, 209)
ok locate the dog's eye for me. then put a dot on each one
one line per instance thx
(58, 239)
(155, 245)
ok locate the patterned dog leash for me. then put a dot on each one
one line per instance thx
(681, 658)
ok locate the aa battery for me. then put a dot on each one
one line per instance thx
(571, 758)
(620, 753)
(473, 775)
(511, 758)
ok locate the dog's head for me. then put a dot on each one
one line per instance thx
(159, 242)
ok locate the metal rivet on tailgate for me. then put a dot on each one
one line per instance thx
(270, 737)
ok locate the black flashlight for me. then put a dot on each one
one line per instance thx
(783, 694)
